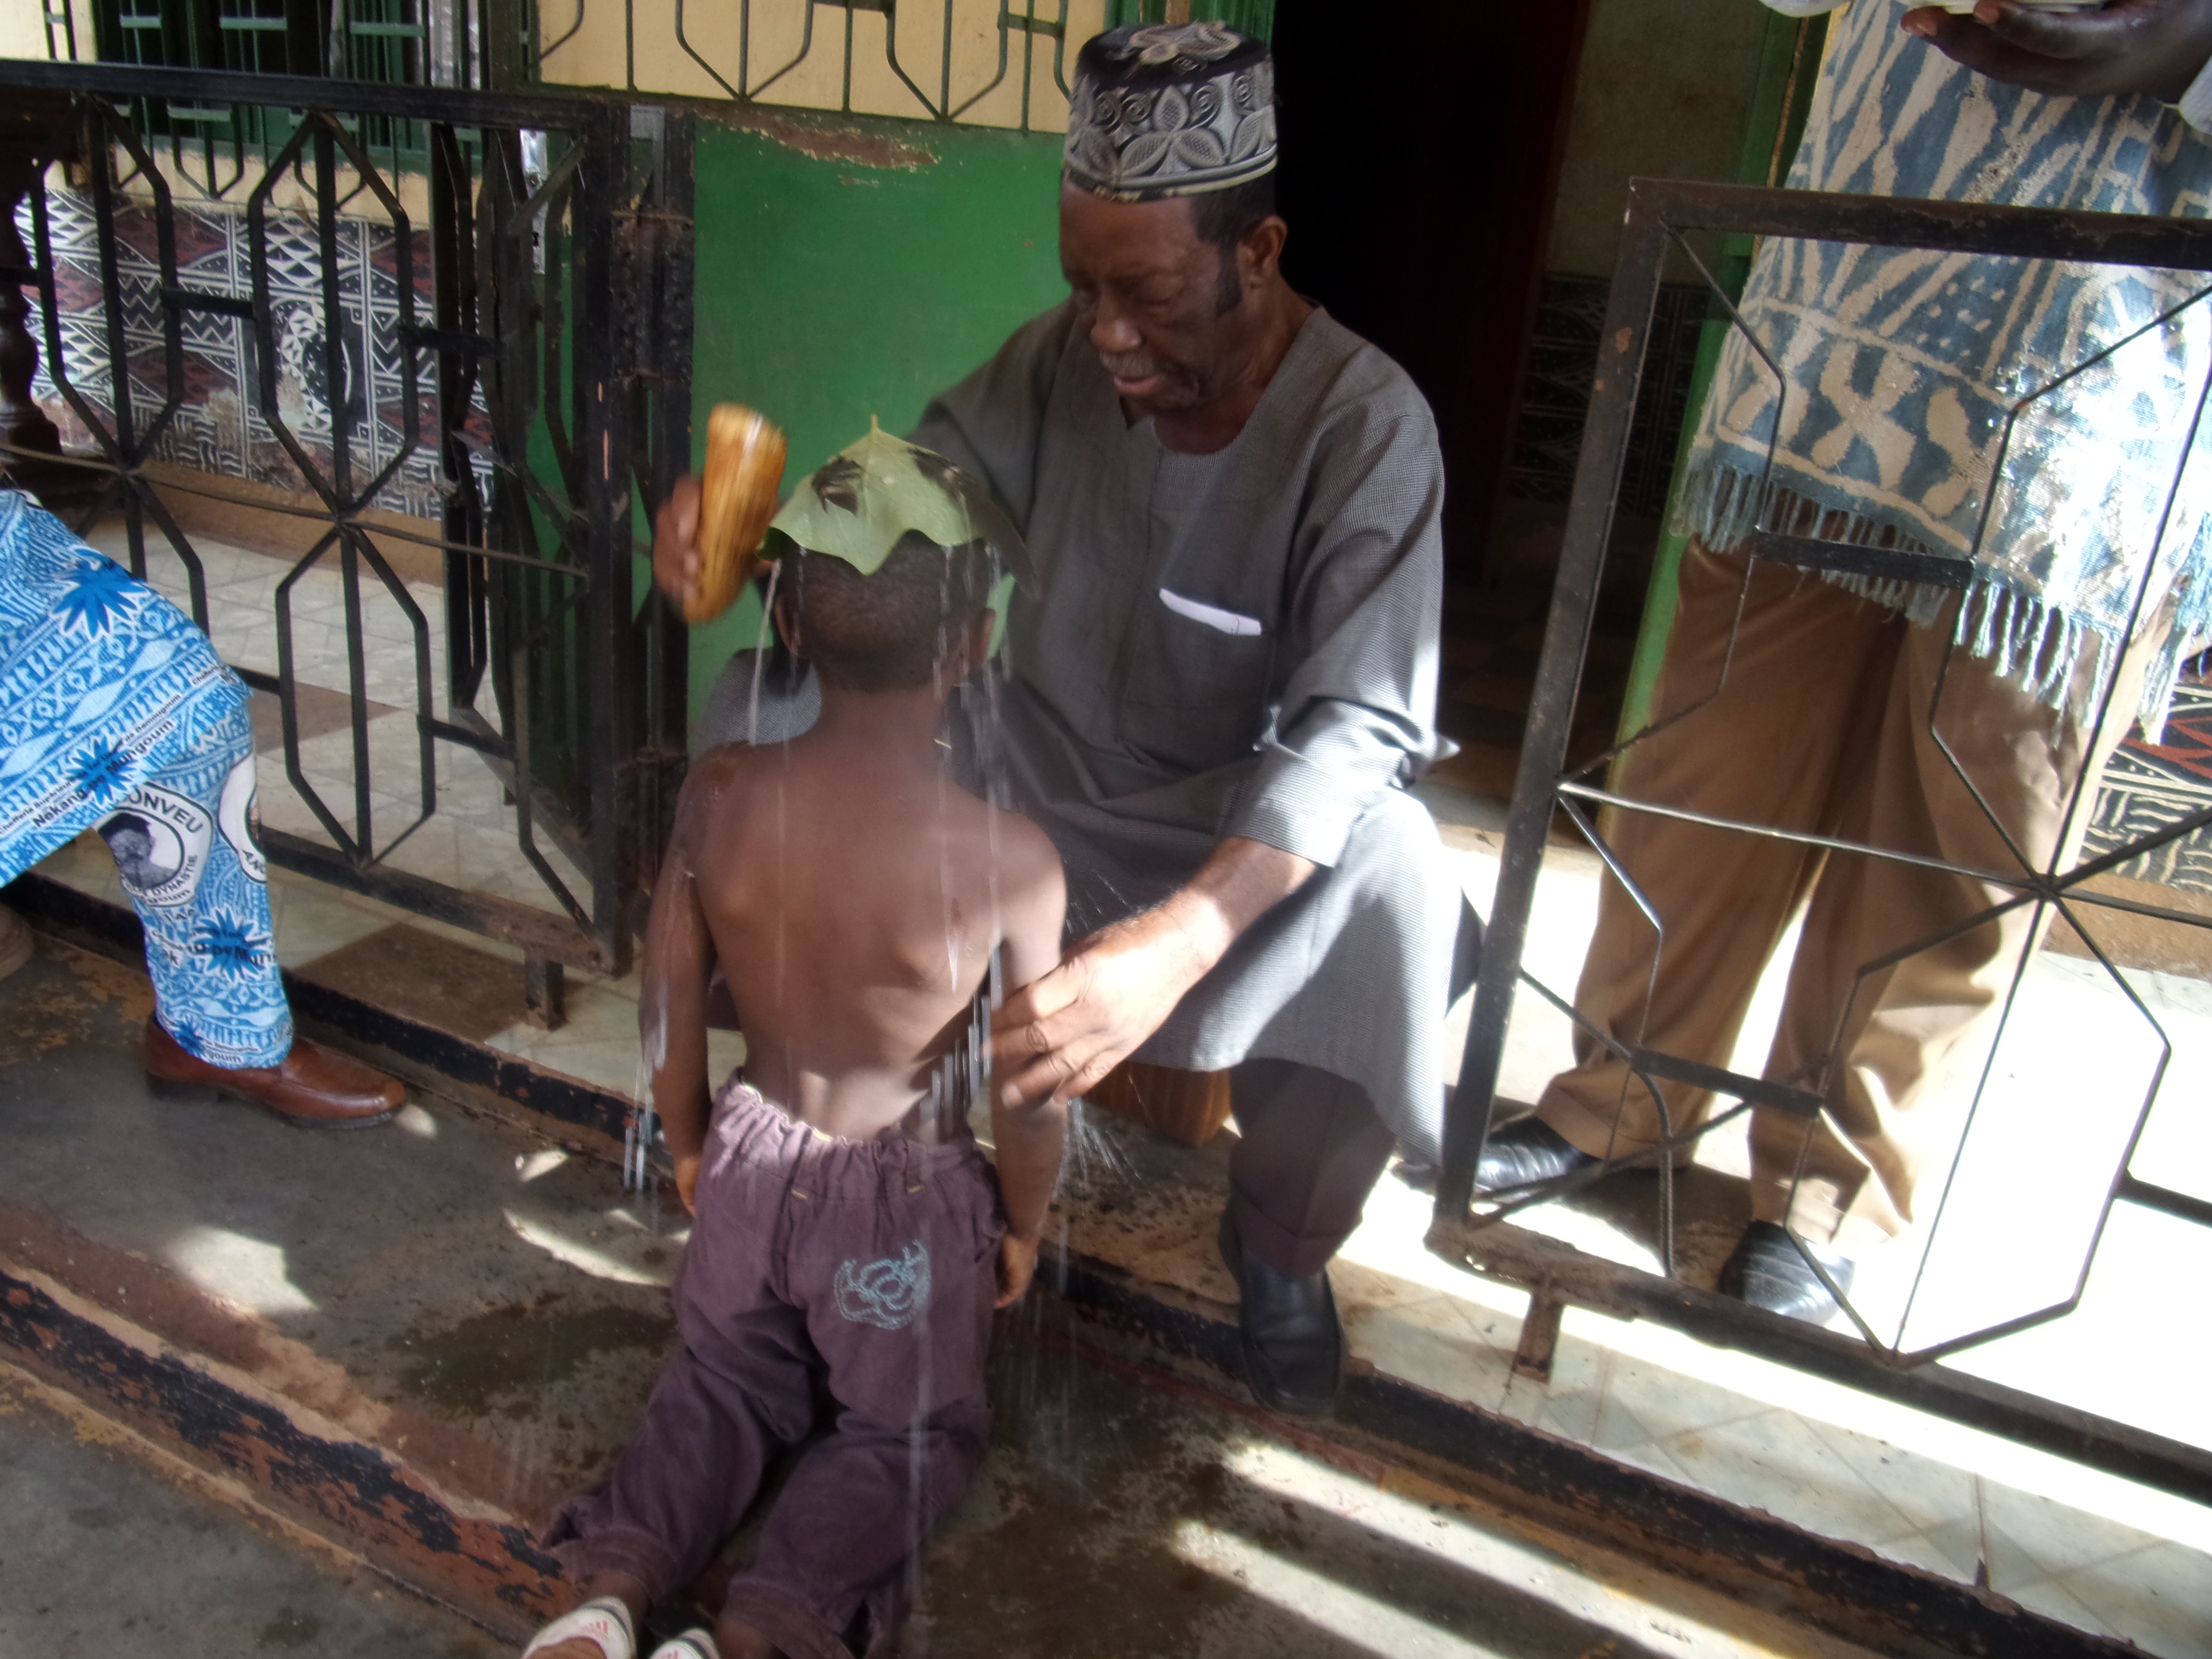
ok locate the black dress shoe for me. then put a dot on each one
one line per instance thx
(1524, 1152)
(1766, 1270)
(1294, 1341)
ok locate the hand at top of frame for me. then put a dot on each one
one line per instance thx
(2155, 46)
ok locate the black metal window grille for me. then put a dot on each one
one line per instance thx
(1255, 17)
(539, 350)
(1661, 217)
(400, 42)
(267, 37)
(406, 42)
(1563, 355)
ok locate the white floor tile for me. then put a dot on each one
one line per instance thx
(1645, 1402)
(2056, 1602)
(1928, 1494)
(1952, 1550)
(1775, 1461)
(2159, 1598)
(310, 922)
(1435, 1345)
(2053, 1539)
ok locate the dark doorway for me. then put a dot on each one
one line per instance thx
(1421, 151)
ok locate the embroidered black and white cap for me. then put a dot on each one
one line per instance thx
(1169, 109)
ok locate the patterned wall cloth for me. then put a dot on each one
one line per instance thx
(2148, 786)
(218, 427)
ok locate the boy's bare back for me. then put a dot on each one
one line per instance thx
(852, 893)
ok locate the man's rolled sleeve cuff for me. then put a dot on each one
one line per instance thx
(1297, 807)
(2194, 105)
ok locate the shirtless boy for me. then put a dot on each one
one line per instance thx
(848, 1238)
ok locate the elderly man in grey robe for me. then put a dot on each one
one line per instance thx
(1226, 678)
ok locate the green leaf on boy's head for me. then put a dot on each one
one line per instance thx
(856, 505)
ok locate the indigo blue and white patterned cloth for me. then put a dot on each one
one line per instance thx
(1901, 369)
(115, 713)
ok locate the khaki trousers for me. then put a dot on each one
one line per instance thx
(1821, 724)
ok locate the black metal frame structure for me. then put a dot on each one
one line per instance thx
(499, 43)
(560, 318)
(1660, 216)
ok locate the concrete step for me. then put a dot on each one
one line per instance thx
(108, 1544)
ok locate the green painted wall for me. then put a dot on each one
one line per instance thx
(833, 289)
(1661, 91)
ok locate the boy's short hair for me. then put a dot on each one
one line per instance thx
(888, 631)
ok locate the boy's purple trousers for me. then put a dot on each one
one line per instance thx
(865, 1269)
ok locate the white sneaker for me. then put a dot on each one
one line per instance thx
(603, 1620)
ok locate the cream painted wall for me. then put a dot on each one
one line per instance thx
(23, 29)
(601, 45)
(1662, 92)
(599, 52)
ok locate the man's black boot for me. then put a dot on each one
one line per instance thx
(1525, 1151)
(1766, 1270)
(1294, 1341)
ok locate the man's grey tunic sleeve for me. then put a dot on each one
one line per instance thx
(1357, 713)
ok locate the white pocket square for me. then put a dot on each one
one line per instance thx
(1228, 621)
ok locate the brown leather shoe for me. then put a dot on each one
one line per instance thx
(312, 1088)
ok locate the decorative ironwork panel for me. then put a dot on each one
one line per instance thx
(461, 364)
(1942, 1303)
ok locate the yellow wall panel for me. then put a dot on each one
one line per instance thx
(767, 51)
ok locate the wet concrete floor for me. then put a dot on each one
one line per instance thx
(1115, 1519)
(1122, 1514)
(103, 1552)
(454, 1269)
(452, 1276)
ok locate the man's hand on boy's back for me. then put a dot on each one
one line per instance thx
(687, 1181)
(676, 541)
(1017, 1266)
(1060, 1034)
